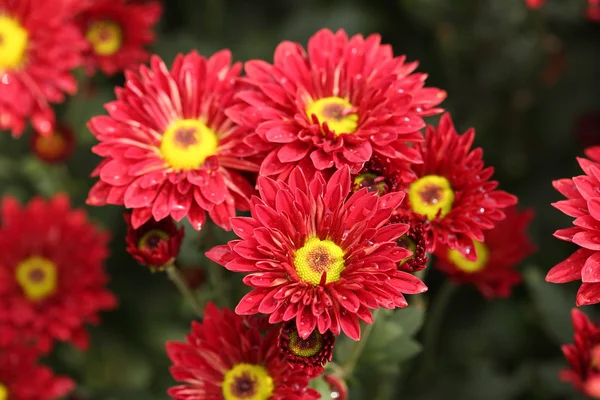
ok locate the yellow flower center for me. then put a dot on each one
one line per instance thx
(13, 43)
(51, 146)
(306, 348)
(340, 115)
(37, 277)
(431, 194)
(247, 382)
(460, 262)
(187, 143)
(152, 238)
(407, 243)
(318, 257)
(106, 37)
(3, 392)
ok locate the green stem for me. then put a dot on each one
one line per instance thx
(348, 368)
(432, 327)
(178, 280)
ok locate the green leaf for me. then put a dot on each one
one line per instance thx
(552, 305)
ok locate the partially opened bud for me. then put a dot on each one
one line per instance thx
(154, 244)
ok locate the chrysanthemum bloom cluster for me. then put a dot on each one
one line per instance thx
(503, 248)
(154, 244)
(318, 254)
(169, 148)
(21, 378)
(583, 204)
(583, 356)
(117, 32)
(39, 46)
(52, 278)
(333, 105)
(42, 41)
(226, 357)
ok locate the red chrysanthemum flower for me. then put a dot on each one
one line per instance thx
(169, 148)
(310, 354)
(39, 46)
(583, 356)
(503, 248)
(227, 358)
(453, 191)
(117, 31)
(317, 255)
(336, 104)
(21, 378)
(583, 204)
(52, 278)
(154, 244)
(55, 147)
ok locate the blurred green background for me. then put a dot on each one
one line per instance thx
(524, 78)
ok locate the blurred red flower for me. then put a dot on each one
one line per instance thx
(226, 357)
(503, 248)
(117, 32)
(169, 149)
(52, 278)
(314, 254)
(39, 46)
(21, 378)
(335, 104)
(55, 147)
(583, 356)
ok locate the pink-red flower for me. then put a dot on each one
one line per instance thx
(52, 278)
(117, 32)
(226, 357)
(169, 149)
(494, 272)
(452, 190)
(583, 356)
(39, 46)
(21, 378)
(55, 147)
(154, 244)
(315, 252)
(335, 104)
(583, 204)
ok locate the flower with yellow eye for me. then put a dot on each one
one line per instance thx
(52, 269)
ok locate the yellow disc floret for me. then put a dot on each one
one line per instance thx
(340, 115)
(306, 348)
(106, 37)
(430, 195)
(151, 239)
(187, 143)
(13, 43)
(460, 262)
(247, 382)
(37, 277)
(3, 392)
(317, 257)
